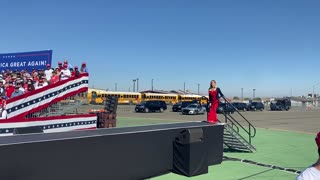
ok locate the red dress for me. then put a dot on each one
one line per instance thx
(212, 114)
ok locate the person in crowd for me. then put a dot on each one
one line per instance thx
(25, 86)
(214, 99)
(10, 89)
(84, 68)
(2, 88)
(69, 65)
(65, 72)
(45, 82)
(20, 85)
(3, 112)
(313, 171)
(76, 72)
(60, 67)
(40, 84)
(16, 92)
(55, 77)
(30, 85)
(48, 72)
(2, 79)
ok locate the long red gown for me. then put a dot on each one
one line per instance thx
(212, 114)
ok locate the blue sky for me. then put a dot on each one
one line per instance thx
(270, 45)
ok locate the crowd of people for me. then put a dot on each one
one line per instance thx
(15, 83)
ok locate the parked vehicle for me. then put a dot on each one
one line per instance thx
(254, 106)
(280, 105)
(240, 106)
(151, 106)
(225, 108)
(194, 109)
(178, 106)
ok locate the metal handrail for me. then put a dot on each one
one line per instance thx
(236, 123)
(250, 125)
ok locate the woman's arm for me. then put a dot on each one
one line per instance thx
(220, 94)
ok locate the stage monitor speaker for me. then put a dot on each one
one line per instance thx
(28, 130)
(190, 136)
(190, 155)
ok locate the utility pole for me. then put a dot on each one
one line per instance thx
(115, 86)
(151, 84)
(241, 94)
(254, 90)
(137, 84)
(198, 89)
(184, 87)
(134, 85)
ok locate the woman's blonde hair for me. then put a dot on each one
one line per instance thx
(211, 87)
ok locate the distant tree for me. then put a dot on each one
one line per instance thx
(247, 99)
(236, 98)
(257, 99)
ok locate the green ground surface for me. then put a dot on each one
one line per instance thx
(281, 148)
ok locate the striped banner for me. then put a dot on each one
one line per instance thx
(51, 124)
(20, 106)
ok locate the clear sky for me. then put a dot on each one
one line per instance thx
(270, 45)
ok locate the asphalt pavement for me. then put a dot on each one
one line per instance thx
(297, 119)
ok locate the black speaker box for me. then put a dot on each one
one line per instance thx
(190, 153)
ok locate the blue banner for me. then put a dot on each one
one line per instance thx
(25, 60)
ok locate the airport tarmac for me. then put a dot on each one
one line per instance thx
(297, 119)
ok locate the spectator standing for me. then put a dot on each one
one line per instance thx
(76, 72)
(65, 72)
(55, 77)
(84, 68)
(16, 92)
(10, 89)
(48, 72)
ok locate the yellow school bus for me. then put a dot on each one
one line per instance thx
(168, 98)
(98, 96)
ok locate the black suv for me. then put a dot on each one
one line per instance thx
(225, 108)
(280, 105)
(151, 106)
(254, 106)
(240, 106)
(178, 106)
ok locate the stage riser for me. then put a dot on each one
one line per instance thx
(128, 155)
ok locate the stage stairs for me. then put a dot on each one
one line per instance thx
(238, 134)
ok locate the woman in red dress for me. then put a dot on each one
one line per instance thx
(214, 96)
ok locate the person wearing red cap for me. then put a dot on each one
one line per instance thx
(60, 67)
(65, 72)
(75, 72)
(48, 72)
(66, 62)
(84, 68)
(312, 172)
(10, 89)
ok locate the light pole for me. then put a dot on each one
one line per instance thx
(115, 86)
(198, 89)
(241, 94)
(184, 87)
(254, 90)
(313, 95)
(151, 84)
(137, 84)
(134, 85)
